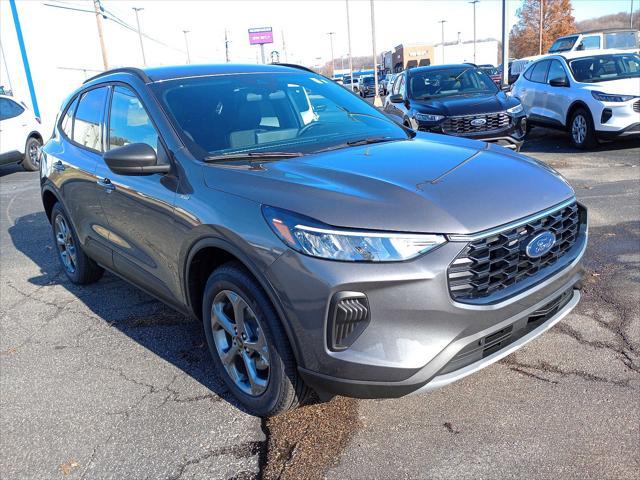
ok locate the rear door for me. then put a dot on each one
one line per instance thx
(139, 208)
(536, 92)
(558, 99)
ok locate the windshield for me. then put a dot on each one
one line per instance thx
(368, 81)
(563, 44)
(602, 68)
(269, 112)
(444, 82)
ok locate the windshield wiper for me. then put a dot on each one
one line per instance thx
(252, 156)
(368, 141)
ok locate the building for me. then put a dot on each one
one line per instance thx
(412, 55)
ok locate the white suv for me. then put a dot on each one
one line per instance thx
(595, 95)
(20, 137)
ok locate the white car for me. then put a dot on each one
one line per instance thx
(20, 137)
(613, 38)
(593, 95)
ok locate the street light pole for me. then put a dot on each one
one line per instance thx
(376, 100)
(186, 42)
(349, 41)
(474, 28)
(631, 16)
(505, 45)
(144, 60)
(331, 34)
(226, 46)
(442, 22)
(541, 14)
(96, 7)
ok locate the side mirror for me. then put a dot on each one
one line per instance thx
(580, 47)
(559, 82)
(134, 159)
(397, 98)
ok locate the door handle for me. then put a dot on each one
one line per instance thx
(106, 184)
(59, 166)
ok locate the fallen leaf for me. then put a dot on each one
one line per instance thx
(69, 466)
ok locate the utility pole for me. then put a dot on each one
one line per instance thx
(349, 41)
(144, 60)
(331, 34)
(474, 28)
(541, 14)
(376, 100)
(186, 42)
(226, 46)
(631, 16)
(284, 47)
(6, 66)
(97, 7)
(442, 22)
(505, 45)
(25, 58)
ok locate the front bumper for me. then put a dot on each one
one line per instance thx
(417, 333)
(630, 131)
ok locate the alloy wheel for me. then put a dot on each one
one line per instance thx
(66, 245)
(240, 342)
(34, 154)
(579, 129)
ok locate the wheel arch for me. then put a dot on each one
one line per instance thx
(208, 253)
(572, 108)
(49, 199)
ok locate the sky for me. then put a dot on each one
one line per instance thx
(62, 42)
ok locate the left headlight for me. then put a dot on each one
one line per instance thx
(317, 240)
(428, 117)
(514, 110)
(611, 97)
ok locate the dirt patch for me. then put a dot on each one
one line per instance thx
(308, 441)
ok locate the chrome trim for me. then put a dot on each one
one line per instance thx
(517, 223)
(442, 380)
(474, 115)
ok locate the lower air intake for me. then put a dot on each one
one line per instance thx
(348, 317)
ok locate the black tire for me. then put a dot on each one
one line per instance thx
(582, 131)
(285, 389)
(84, 270)
(30, 162)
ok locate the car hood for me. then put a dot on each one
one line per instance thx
(464, 104)
(431, 184)
(621, 86)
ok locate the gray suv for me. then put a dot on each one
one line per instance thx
(322, 246)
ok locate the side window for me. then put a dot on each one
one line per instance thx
(539, 71)
(87, 124)
(556, 70)
(9, 109)
(129, 121)
(401, 88)
(590, 43)
(67, 121)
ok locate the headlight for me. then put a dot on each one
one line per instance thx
(428, 117)
(513, 110)
(610, 97)
(317, 240)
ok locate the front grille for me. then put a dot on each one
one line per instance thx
(636, 106)
(463, 125)
(500, 339)
(499, 261)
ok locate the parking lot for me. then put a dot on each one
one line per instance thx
(105, 382)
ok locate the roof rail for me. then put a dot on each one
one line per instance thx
(293, 65)
(134, 71)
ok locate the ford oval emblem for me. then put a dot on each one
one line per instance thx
(540, 244)
(478, 122)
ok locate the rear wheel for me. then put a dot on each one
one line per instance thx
(583, 135)
(248, 344)
(78, 267)
(31, 160)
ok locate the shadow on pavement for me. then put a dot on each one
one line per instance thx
(8, 169)
(149, 322)
(544, 140)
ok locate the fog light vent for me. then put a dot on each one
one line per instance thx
(606, 115)
(348, 317)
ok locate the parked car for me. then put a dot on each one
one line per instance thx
(593, 96)
(612, 38)
(367, 87)
(20, 137)
(383, 82)
(516, 67)
(324, 249)
(493, 73)
(456, 100)
(351, 83)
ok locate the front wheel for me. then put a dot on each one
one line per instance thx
(583, 135)
(31, 160)
(248, 344)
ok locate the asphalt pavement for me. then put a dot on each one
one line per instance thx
(103, 382)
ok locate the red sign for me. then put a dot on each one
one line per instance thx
(258, 36)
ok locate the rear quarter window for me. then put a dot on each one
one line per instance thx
(9, 109)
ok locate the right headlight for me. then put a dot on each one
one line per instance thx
(513, 110)
(428, 117)
(317, 240)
